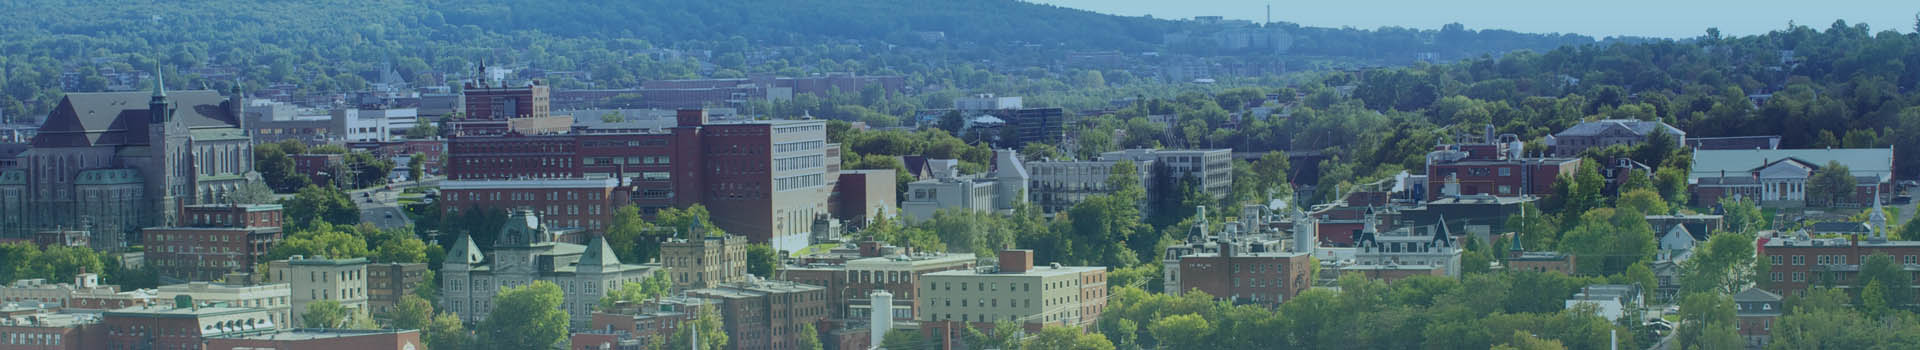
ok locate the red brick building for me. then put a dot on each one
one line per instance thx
(33, 330)
(319, 168)
(569, 203)
(188, 327)
(1799, 262)
(767, 180)
(1756, 310)
(1500, 169)
(1266, 277)
(862, 195)
(638, 324)
(212, 240)
(766, 315)
(848, 284)
(323, 339)
(387, 283)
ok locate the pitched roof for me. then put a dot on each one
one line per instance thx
(1839, 227)
(599, 254)
(1734, 142)
(1637, 127)
(464, 251)
(1871, 162)
(1755, 294)
(120, 118)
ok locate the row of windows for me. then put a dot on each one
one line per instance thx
(798, 181)
(628, 160)
(1832, 259)
(804, 128)
(801, 162)
(798, 146)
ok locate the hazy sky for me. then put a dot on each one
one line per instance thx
(1601, 18)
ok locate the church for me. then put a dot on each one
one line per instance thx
(106, 163)
(524, 252)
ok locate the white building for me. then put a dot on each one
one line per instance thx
(998, 189)
(317, 279)
(1058, 185)
(1610, 301)
(986, 102)
(276, 299)
(357, 125)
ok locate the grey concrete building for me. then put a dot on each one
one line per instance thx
(526, 252)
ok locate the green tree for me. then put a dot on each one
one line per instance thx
(809, 338)
(446, 332)
(682, 220)
(406, 249)
(1881, 268)
(713, 335)
(315, 203)
(655, 286)
(1066, 338)
(632, 237)
(325, 314)
(1707, 321)
(1644, 201)
(1725, 264)
(1672, 184)
(1038, 151)
(1189, 330)
(411, 313)
(762, 260)
(903, 339)
(1743, 216)
(417, 167)
(525, 317)
(1831, 184)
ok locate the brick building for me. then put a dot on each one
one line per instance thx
(1756, 310)
(41, 330)
(1800, 262)
(85, 292)
(1611, 132)
(1247, 276)
(322, 339)
(181, 326)
(765, 315)
(634, 325)
(213, 239)
(1496, 168)
(848, 284)
(491, 106)
(320, 169)
(387, 283)
(863, 195)
(1778, 178)
(767, 180)
(566, 203)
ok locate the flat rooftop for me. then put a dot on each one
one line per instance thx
(317, 333)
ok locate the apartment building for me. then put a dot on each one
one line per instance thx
(212, 240)
(705, 262)
(316, 279)
(276, 300)
(1015, 290)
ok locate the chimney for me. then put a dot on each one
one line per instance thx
(1016, 260)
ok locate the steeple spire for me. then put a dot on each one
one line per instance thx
(1878, 218)
(159, 81)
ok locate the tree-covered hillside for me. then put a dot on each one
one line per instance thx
(338, 45)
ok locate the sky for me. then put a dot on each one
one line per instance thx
(1604, 18)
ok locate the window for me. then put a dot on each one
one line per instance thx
(1776, 259)
(1799, 260)
(1799, 277)
(1506, 172)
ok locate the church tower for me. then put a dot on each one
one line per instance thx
(167, 148)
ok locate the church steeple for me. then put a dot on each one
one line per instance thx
(1878, 218)
(158, 108)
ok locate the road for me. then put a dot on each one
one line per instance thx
(381, 207)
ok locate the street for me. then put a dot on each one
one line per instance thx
(381, 207)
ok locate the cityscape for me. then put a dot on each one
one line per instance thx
(999, 174)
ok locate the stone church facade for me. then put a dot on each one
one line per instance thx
(110, 164)
(524, 252)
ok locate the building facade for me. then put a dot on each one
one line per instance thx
(1611, 132)
(321, 339)
(1497, 168)
(526, 252)
(387, 283)
(848, 284)
(110, 164)
(275, 299)
(317, 279)
(764, 315)
(182, 326)
(213, 240)
(1778, 178)
(768, 180)
(706, 262)
(38, 330)
(567, 203)
(1017, 291)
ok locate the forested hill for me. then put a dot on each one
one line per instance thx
(334, 45)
